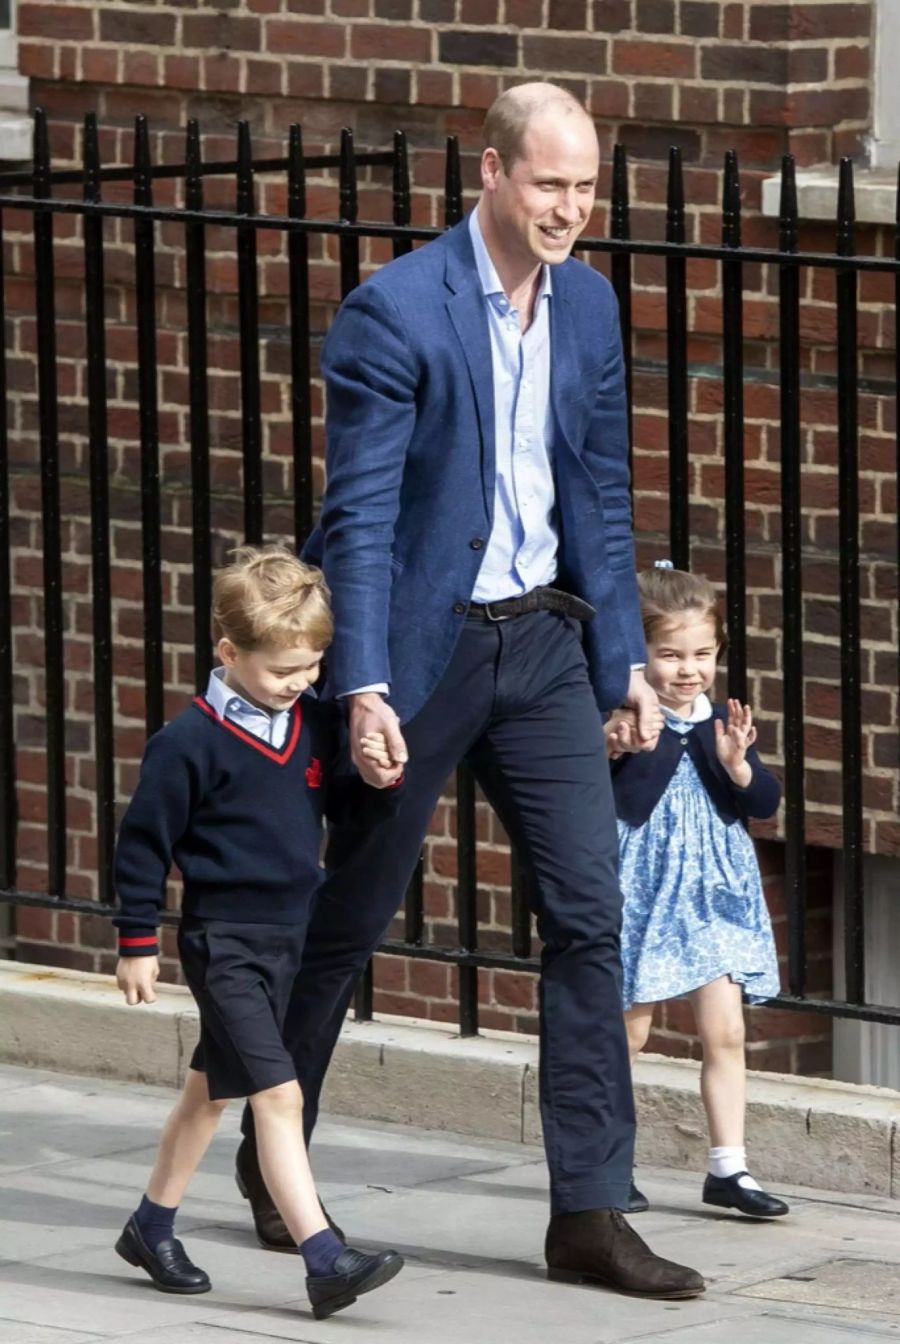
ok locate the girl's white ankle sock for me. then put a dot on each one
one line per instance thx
(728, 1162)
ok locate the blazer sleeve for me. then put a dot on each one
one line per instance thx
(762, 795)
(371, 379)
(155, 820)
(605, 455)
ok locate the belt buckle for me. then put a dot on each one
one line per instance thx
(490, 615)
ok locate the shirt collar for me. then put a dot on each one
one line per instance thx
(224, 700)
(487, 271)
(701, 710)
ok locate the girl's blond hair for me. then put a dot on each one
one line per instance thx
(667, 595)
(266, 597)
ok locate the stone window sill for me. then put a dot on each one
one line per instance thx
(15, 137)
(817, 193)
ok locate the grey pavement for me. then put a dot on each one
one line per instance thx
(468, 1214)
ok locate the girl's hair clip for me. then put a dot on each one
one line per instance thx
(663, 564)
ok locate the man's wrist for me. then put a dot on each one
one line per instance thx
(364, 699)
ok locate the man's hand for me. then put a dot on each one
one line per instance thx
(372, 720)
(620, 733)
(645, 702)
(136, 977)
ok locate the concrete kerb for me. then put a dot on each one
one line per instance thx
(800, 1131)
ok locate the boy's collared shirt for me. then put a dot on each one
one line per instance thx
(269, 725)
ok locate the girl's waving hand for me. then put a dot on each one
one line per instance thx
(732, 741)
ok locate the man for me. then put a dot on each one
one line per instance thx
(477, 503)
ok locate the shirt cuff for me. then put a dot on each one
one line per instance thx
(380, 686)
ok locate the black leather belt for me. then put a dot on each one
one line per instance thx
(539, 599)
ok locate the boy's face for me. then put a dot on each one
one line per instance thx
(271, 678)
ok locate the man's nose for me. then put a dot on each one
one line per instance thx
(567, 206)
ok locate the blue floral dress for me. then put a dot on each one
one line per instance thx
(694, 908)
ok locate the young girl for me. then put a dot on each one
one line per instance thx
(695, 919)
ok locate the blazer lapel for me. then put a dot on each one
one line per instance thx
(465, 308)
(565, 364)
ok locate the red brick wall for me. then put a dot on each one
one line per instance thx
(707, 75)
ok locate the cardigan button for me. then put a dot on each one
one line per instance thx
(684, 741)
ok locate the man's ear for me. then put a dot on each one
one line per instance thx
(491, 169)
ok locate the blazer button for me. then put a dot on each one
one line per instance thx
(684, 741)
(459, 608)
(477, 543)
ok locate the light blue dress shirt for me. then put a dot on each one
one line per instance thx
(521, 550)
(269, 725)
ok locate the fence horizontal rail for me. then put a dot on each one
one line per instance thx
(479, 959)
(424, 234)
(382, 158)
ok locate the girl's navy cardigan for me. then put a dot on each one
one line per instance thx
(640, 778)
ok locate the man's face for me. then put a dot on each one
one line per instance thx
(542, 205)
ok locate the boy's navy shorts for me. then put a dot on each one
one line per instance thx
(241, 976)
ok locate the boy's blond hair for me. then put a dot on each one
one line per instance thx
(266, 597)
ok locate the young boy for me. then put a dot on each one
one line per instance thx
(233, 790)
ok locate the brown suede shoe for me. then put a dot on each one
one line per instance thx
(271, 1232)
(598, 1246)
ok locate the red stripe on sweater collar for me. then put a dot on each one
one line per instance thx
(279, 757)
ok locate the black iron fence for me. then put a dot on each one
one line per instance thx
(38, 193)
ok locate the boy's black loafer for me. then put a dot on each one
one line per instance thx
(726, 1192)
(168, 1266)
(355, 1273)
(637, 1202)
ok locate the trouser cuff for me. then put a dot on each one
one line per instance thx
(590, 1195)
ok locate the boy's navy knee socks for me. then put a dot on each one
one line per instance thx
(155, 1222)
(320, 1252)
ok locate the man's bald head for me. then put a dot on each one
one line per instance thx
(510, 116)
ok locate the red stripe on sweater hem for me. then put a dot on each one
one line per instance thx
(136, 942)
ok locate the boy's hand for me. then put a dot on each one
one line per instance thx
(374, 747)
(136, 977)
(732, 741)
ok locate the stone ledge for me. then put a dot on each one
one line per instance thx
(875, 192)
(800, 1131)
(16, 133)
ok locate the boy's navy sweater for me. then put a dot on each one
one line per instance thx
(242, 820)
(641, 778)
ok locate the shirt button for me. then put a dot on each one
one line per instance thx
(459, 608)
(477, 543)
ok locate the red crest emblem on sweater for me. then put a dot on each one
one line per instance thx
(314, 773)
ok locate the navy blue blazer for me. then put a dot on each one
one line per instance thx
(410, 466)
(640, 778)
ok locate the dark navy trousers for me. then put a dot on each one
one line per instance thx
(517, 704)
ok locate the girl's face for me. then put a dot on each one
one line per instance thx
(681, 661)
